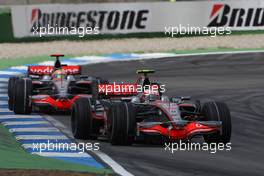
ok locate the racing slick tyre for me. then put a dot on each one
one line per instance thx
(22, 93)
(123, 125)
(82, 123)
(11, 85)
(218, 111)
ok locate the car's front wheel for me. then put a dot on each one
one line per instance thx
(22, 93)
(218, 111)
(123, 123)
(11, 85)
(82, 122)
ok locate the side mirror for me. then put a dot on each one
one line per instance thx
(175, 99)
(185, 98)
(83, 76)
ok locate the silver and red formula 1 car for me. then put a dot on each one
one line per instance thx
(150, 116)
(49, 88)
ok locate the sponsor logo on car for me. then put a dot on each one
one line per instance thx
(42, 70)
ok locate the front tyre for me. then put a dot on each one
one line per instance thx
(123, 125)
(11, 85)
(22, 93)
(82, 119)
(218, 111)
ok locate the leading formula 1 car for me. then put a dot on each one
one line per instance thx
(49, 88)
(150, 116)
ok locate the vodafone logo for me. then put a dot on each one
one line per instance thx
(40, 70)
(71, 70)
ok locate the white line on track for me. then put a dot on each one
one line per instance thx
(39, 129)
(161, 55)
(13, 116)
(3, 95)
(61, 154)
(107, 159)
(37, 137)
(25, 123)
(114, 165)
(19, 68)
(3, 102)
(3, 85)
(4, 110)
(9, 73)
(4, 79)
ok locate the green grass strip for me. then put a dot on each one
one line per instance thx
(13, 156)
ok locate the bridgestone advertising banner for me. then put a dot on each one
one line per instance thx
(114, 18)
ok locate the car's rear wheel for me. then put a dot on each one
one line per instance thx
(123, 124)
(82, 121)
(11, 85)
(218, 111)
(22, 93)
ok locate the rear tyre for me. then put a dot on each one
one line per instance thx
(11, 85)
(22, 93)
(82, 119)
(123, 125)
(218, 111)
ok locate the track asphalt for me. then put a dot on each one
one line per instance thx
(236, 79)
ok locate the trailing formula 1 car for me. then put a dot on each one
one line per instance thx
(49, 88)
(150, 116)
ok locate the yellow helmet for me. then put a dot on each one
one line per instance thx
(58, 74)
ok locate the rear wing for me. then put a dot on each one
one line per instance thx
(48, 70)
(72, 70)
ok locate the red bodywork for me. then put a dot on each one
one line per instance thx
(178, 132)
(58, 102)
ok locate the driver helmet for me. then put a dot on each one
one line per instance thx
(58, 74)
